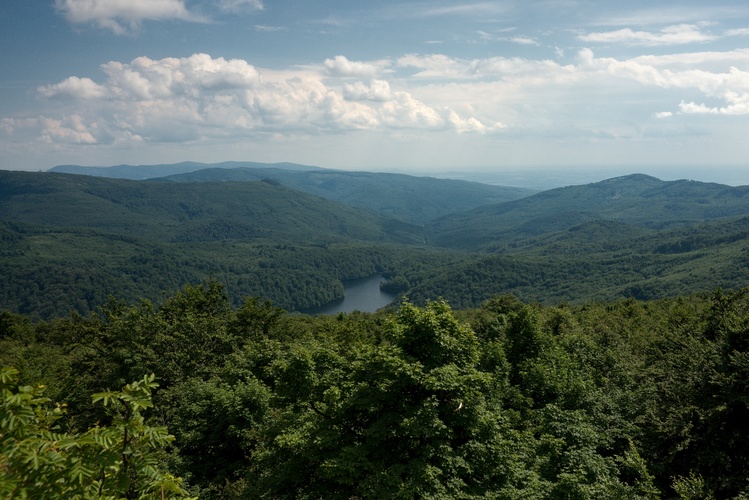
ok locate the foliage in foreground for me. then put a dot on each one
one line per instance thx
(620, 400)
(38, 460)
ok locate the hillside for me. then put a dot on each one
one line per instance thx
(637, 200)
(188, 212)
(412, 199)
(602, 261)
(68, 241)
(50, 272)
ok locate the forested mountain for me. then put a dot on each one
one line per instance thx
(637, 199)
(67, 241)
(51, 272)
(600, 260)
(409, 198)
(178, 212)
(413, 199)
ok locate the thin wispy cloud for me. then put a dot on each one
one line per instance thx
(738, 32)
(240, 5)
(524, 40)
(671, 35)
(268, 29)
(668, 15)
(462, 9)
(121, 16)
(502, 37)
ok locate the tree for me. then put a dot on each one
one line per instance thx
(216, 423)
(411, 417)
(121, 460)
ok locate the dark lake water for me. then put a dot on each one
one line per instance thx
(358, 295)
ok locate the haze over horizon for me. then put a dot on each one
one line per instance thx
(576, 89)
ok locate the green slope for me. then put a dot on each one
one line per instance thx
(188, 212)
(637, 200)
(600, 261)
(49, 272)
(68, 241)
(409, 198)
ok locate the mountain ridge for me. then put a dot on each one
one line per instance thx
(143, 172)
(409, 198)
(413, 199)
(636, 199)
(187, 212)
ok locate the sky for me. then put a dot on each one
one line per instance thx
(428, 87)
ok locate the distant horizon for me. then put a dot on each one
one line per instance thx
(504, 86)
(535, 177)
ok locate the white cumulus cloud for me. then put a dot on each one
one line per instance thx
(70, 129)
(219, 73)
(342, 67)
(680, 72)
(200, 97)
(146, 78)
(75, 88)
(377, 90)
(741, 107)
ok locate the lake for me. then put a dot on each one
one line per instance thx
(358, 295)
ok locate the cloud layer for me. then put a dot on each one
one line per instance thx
(124, 16)
(469, 81)
(201, 97)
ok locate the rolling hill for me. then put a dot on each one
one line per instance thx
(638, 200)
(417, 200)
(68, 241)
(181, 212)
(600, 260)
(412, 199)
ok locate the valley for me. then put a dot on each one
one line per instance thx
(293, 233)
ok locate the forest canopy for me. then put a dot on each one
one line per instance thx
(626, 399)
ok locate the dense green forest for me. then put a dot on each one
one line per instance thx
(638, 200)
(68, 241)
(580, 343)
(195, 397)
(50, 273)
(412, 199)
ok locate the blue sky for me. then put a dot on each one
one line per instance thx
(423, 87)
